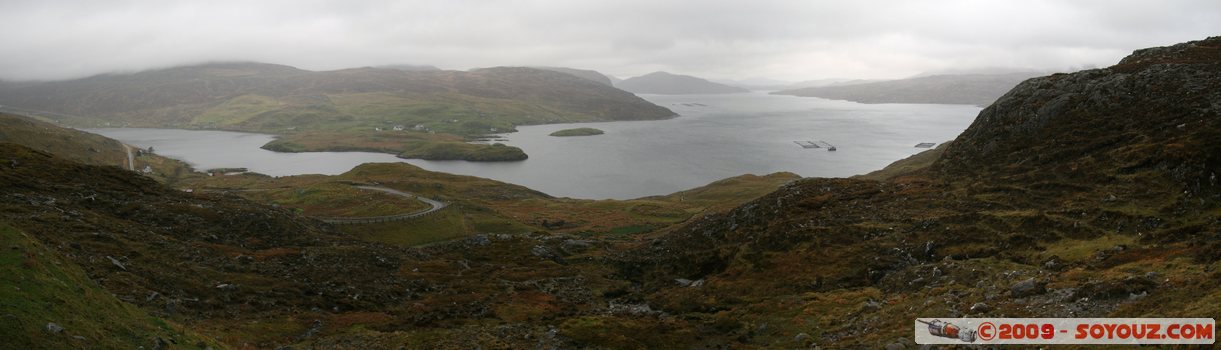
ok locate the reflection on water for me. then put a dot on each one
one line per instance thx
(717, 136)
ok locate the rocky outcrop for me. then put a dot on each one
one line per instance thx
(1016, 217)
(1157, 110)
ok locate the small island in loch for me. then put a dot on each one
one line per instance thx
(577, 132)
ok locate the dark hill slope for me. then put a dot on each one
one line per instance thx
(89, 148)
(255, 276)
(1087, 194)
(146, 227)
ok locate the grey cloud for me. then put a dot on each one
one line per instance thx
(789, 40)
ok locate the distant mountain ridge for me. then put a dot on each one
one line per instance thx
(973, 89)
(581, 73)
(674, 84)
(277, 96)
(415, 114)
(411, 67)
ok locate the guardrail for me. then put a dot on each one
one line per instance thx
(378, 219)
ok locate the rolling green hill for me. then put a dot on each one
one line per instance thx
(285, 100)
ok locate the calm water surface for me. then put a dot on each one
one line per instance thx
(717, 136)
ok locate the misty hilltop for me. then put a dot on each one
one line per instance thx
(973, 89)
(582, 73)
(663, 83)
(269, 96)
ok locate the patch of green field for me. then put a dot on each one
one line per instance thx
(630, 230)
(1079, 250)
(236, 111)
(443, 225)
(447, 113)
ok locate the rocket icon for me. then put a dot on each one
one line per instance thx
(949, 330)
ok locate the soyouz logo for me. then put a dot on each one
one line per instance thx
(1065, 331)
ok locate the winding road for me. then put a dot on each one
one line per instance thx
(131, 159)
(435, 206)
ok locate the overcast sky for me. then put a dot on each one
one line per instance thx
(788, 40)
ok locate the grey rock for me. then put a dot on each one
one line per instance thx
(546, 253)
(54, 328)
(683, 282)
(116, 262)
(542, 252)
(617, 308)
(872, 306)
(573, 246)
(896, 346)
(1027, 287)
(980, 308)
(1052, 264)
(479, 240)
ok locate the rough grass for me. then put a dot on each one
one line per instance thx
(88, 148)
(906, 165)
(40, 288)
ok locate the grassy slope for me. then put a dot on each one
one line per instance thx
(906, 165)
(87, 148)
(487, 206)
(40, 287)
